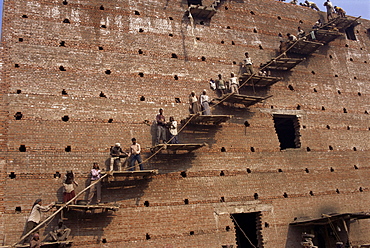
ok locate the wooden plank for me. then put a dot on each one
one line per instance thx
(89, 207)
(305, 47)
(242, 99)
(207, 119)
(284, 64)
(177, 147)
(327, 35)
(260, 81)
(202, 12)
(44, 244)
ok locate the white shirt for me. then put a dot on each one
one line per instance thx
(173, 128)
(35, 215)
(203, 98)
(248, 61)
(234, 80)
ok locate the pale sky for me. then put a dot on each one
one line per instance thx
(352, 7)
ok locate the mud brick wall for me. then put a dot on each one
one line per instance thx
(85, 74)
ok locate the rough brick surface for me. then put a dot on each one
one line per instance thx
(139, 38)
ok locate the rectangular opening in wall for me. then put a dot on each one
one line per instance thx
(350, 33)
(194, 2)
(287, 129)
(247, 226)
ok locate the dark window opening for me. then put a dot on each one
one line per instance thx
(18, 210)
(222, 173)
(16, 65)
(12, 175)
(141, 30)
(19, 91)
(285, 195)
(142, 98)
(141, 74)
(222, 199)
(24, 16)
(140, 51)
(61, 68)
(103, 26)
(227, 228)
(104, 240)
(194, 2)
(110, 120)
(228, 27)
(360, 189)
(62, 44)
(137, 12)
(186, 201)
(68, 149)
(101, 48)
(66, 21)
(22, 148)
(203, 58)
(174, 56)
(223, 149)
(287, 129)
(108, 72)
(146, 204)
(307, 170)
(252, 149)
(183, 173)
(246, 226)
(350, 32)
(222, 42)
(65, 2)
(191, 233)
(18, 116)
(102, 94)
(64, 92)
(255, 196)
(355, 166)
(260, 46)
(197, 38)
(170, 18)
(20, 39)
(232, 43)
(249, 170)
(177, 100)
(147, 236)
(255, 31)
(234, 62)
(252, 13)
(101, 7)
(171, 35)
(57, 174)
(65, 118)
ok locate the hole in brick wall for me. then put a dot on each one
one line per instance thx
(103, 26)
(355, 166)
(365, 62)
(64, 92)
(20, 39)
(252, 149)
(57, 174)
(354, 77)
(255, 31)
(359, 93)
(327, 126)
(287, 129)
(267, 225)
(24, 16)
(68, 149)
(344, 110)
(22, 148)
(255, 196)
(222, 42)
(137, 12)
(249, 170)
(252, 13)
(19, 91)
(228, 27)
(186, 201)
(141, 30)
(354, 149)
(18, 210)
(313, 72)
(223, 149)
(65, 2)
(203, 58)
(147, 236)
(18, 116)
(12, 175)
(335, 75)
(142, 98)
(348, 128)
(311, 193)
(290, 87)
(279, 18)
(285, 195)
(141, 74)
(314, 90)
(61, 68)
(222, 173)
(102, 94)
(260, 46)
(66, 21)
(332, 169)
(330, 148)
(234, 62)
(201, 23)
(174, 56)
(222, 199)
(330, 56)
(360, 189)
(108, 72)
(65, 118)
(101, 7)
(146, 204)
(246, 124)
(272, 107)
(110, 120)
(280, 170)
(197, 38)
(62, 44)
(104, 240)
(346, 45)
(232, 43)
(176, 77)
(16, 65)
(177, 100)
(298, 107)
(307, 170)
(191, 233)
(308, 149)
(170, 18)
(171, 35)
(100, 48)
(339, 92)
(337, 190)
(226, 8)
(350, 59)
(140, 51)
(322, 108)
(300, 21)
(304, 127)
(227, 228)
(366, 112)
(183, 173)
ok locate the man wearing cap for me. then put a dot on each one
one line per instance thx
(116, 153)
(35, 216)
(161, 130)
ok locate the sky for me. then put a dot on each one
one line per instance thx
(354, 8)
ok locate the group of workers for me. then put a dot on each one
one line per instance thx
(330, 9)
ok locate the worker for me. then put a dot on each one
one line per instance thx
(300, 33)
(294, 2)
(312, 5)
(193, 103)
(318, 24)
(161, 124)
(329, 9)
(135, 151)
(95, 176)
(247, 64)
(340, 12)
(172, 127)
(68, 186)
(35, 241)
(220, 83)
(212, 84)
(234, 83)
(291, 38)
(35, 217)
(116, 153)
(60, 232)
(204, 102)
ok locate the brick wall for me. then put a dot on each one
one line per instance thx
(124, 50)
